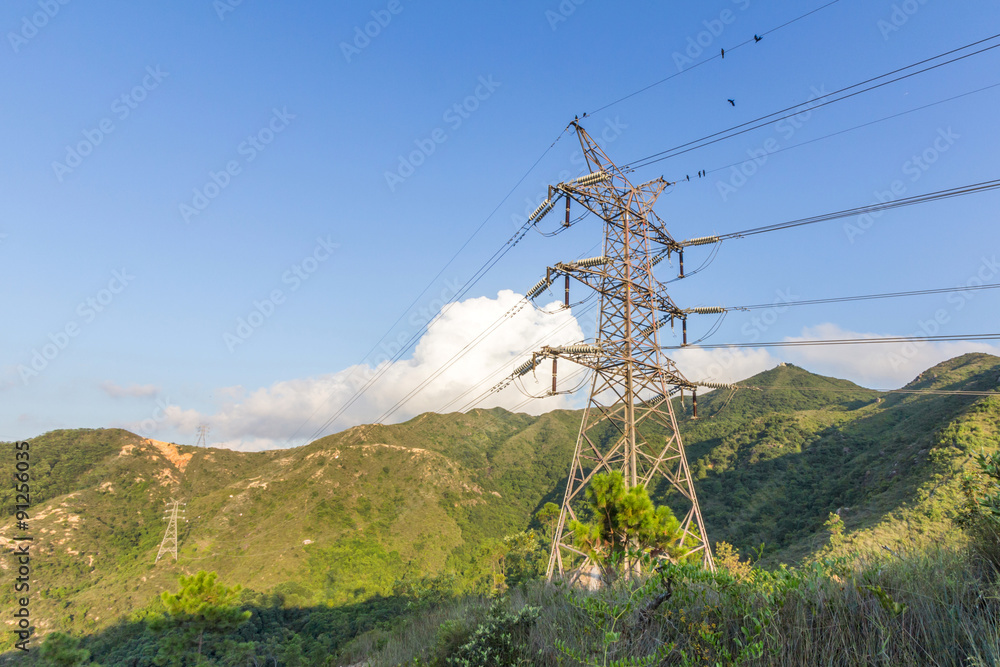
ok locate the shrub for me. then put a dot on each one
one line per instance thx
(499, 641)
(981, 513)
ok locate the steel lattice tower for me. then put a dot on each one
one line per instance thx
(629, 423)
(169, 542)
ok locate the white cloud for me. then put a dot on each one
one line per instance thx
(135, 391)
(723, 364)
(877, 365)
(291, 411)
(269, 416)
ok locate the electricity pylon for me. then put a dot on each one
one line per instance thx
(203, 430)
(169, 543)
(629, 424)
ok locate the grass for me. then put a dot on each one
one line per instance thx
(929, 607)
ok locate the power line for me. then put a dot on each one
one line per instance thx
(843, 341)
(795, 109)
(511, 242)
(489, 376)
(468, 347)
(708, 60)
(865, 297)
(490, 262)
(936, 392)
(856, 127)
(626, 359)
(512, 312)
(519, 235)
(974, 188)
(909, 201)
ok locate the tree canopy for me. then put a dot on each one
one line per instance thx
(625, 526)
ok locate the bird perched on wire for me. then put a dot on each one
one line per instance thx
(723, 53)
(733, 102)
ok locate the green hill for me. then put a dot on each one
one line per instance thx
(338, 521)
(888, 464)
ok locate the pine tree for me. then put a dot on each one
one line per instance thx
(62, 650)
(626, 527)
(202, 606)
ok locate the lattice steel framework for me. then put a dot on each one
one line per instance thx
(169, 543)
(629, 423)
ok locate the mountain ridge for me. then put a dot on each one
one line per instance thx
(341, 519)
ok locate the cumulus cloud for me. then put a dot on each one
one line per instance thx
(723, 365)
(269, 417)
(290, 412)
(135, 391)
(878, 365)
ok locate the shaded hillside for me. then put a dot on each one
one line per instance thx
(784, 389)
(775, 478)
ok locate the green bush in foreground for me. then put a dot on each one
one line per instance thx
(981, 514)
(938, 607)
(61, 650)
(500, 641)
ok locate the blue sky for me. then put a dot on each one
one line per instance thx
(170, 168)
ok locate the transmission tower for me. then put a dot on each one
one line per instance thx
(629, 423)
(169, 543)
(203, 431)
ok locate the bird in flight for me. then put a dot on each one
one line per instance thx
(733, 102)
(757, 38)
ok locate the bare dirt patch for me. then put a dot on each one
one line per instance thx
(170, 453)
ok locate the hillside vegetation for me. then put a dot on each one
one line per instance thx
(377, 517)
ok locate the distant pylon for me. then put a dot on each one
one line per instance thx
(203, 431)
(629, 424)
(169, 543)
